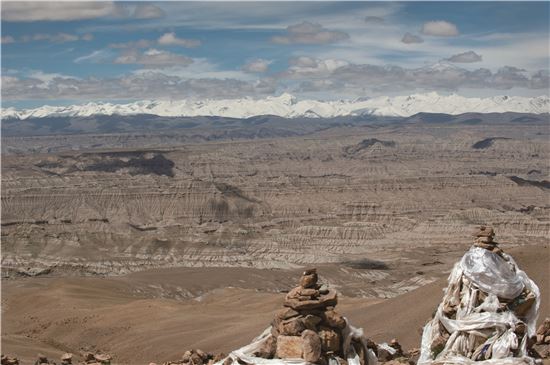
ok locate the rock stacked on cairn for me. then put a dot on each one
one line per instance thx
(484, 239)
(308, 327)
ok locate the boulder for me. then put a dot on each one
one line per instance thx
(268, 348)
(289, 347)
(334, 319)
(311, 350)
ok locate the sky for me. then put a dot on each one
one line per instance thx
(58, 53)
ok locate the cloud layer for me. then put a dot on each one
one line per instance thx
(304, 75)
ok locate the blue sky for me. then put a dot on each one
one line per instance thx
(60, 52)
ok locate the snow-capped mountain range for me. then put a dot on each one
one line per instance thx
(288, 106)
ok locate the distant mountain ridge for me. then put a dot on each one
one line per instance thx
(288, 106)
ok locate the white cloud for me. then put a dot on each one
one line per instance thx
(309, 33)
(28, 11)
(8, 39)
(466, 57)
(409, 38)
(170, 39)
(56, 38)
(257, 66)
(440, 28)
(148, 11)
(153, 58)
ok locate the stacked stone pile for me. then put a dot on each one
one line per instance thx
(487, 312)
(309, 327)
(541, 346)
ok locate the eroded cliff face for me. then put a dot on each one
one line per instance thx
(371, 198)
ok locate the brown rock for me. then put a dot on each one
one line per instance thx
(219, 357)
(6, 360)
(289, 347)
(287, 313)
(311, 321)
(310, 292)
(485, 232)
(196, 359)
(384, 355)
(330, 299)
(203, 355)
(543, 331)
(267, 349)
(67, 359)
(103, 358)
(309, 278)
(88, 356)
(397, 347)
(228, 361)
(311, 350)
(186, 356)
(292, 327)
(330, 341)
(334, 319)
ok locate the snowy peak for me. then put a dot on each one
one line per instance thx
(288, 106)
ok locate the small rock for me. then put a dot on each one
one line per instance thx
(311, 322)
(330, 340)
(67, 359)
(103, 358)
(291, 327)
(309, 278)
(334, 319)
(88, 356)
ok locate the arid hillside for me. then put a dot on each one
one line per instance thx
(370, 198)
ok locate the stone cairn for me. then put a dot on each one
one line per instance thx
(541, 347)
(484, 239)
(308, 327)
